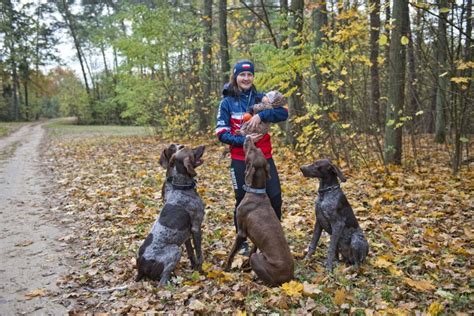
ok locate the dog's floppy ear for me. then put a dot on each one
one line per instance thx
(188, 164)
(338, 173)
(171, 162)
(198, 152)
(164, 158)
(249, 175)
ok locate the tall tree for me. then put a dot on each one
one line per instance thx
(374, 67)
(203, 112)
(319, 19)
(396, 84)
(295, 101)
(63, 8)
(443, 68)
(223, 41)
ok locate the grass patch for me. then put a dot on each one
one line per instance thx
(6, 128)
(67, 128)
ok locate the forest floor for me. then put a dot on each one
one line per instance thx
(107, 192)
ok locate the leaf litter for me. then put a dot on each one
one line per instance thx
(418, 224)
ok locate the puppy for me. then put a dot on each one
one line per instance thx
(179, 220)
(272, 100)
(335, 216)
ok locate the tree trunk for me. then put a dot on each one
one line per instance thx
(295, 101)
(70, 23)
(465, 104)
(204, 111)
(319, 18)
(224, 46)
(374, 68)
(396, 93)
(284, 15)
(442, 48)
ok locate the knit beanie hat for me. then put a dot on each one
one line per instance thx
(242, 66)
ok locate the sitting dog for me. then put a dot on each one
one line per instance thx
(335, 216)
(273, 99)
(180, 218)
(165, 158)
(257, 220)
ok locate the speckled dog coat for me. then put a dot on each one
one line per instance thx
(179, 220)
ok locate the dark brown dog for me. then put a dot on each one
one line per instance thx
(257, 220)
(335, 215)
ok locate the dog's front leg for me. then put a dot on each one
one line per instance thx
(190, 251)
(314, 241)
(237, 245)
(197, 247)
(337, 230)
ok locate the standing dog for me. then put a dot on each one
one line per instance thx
(180, 218)
(257, 220)
(335, 216)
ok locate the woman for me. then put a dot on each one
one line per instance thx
(239, 96)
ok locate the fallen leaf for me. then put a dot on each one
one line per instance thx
(197, 305)
(420, 285)
(310, 289)
(435, 308)
(36, 293)
(339, 296)
(293, 288)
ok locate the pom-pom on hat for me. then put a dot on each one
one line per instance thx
(242, 66)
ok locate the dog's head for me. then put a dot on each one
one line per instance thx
(167, 153)
(322, 169)
(186, 160)
(257, 170)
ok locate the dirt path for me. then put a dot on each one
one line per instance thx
(31, 257)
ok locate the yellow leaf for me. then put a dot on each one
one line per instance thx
(241, 313)
(206, 266)
(381, 262)
(333, 116)
(444, 10)
(324, 70)
(141, 173)
(420, 285)
(293, 288)
(404, 40)
(383, 39)
(339, 296)
(460, 79)
(394, 271)
(435, 308)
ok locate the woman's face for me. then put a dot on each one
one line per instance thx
(244, 80)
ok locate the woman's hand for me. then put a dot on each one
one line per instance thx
(254, 121)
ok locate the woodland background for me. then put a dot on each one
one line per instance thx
(354, 72)
(382, 88)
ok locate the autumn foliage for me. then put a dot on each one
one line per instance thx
(417, 221)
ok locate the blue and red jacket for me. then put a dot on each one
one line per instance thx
(229, 120)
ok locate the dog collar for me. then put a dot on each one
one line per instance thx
(334, 187)
(253, 190)
(181, 186)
